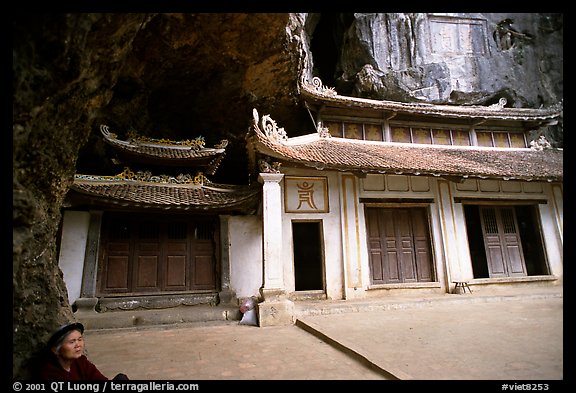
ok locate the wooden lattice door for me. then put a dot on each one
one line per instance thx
(502, 242)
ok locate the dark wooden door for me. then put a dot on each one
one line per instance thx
(147, 256)
(398, 245)
(502, 242)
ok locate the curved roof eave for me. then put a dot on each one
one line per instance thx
(317, 92)
(331, 153)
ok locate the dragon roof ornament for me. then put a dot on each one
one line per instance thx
(268, 127)
(540, 144)
(319, 87)
(134, 138)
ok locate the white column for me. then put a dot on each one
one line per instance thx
(272, 231)
(276, 308)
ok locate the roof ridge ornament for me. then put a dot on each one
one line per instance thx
(540, 144)
(269, 127)
(146, 176)
(197, 143)
(500, 104)
(135, 139)
(324, 132)
(266, 166)
(319, 87)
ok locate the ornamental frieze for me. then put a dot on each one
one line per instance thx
(146, 176)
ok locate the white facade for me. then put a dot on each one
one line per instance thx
(345, 251)
(262, 262)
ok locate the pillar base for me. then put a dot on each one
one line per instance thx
(86, 304)
(276, 312)
(227, 296)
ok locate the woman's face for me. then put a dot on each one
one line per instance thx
(72, 346)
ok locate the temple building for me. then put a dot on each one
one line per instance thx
(383, 198)
(150, 237)
(390, 198)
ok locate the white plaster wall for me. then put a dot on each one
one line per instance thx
(332, 236)
(72, 250)
(245, 235)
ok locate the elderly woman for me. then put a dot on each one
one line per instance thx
(65, 358)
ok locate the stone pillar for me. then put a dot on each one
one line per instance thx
(88, 300)
(226, 294)
(276, 309)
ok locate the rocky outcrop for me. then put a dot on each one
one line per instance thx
(454, 58)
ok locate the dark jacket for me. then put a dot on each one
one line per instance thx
(81, 369)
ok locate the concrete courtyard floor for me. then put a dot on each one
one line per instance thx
(455, 337)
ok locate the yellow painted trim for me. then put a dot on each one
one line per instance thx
(447, 271)
(350, 284)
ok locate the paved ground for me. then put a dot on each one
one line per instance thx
(458, 337)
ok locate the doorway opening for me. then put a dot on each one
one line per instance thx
(505, 241)
(308, 255)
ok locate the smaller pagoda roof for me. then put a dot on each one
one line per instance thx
(183, 192)
(323, 152)
(186, 153)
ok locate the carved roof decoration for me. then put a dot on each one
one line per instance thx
(183, 192)
(333, 153)
(315, 91)
(189, 152)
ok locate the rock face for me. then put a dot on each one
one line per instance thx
(452, 58)
(184, 75)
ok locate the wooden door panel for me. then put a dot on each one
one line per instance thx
(119, 248)
(423, 260)
(376, 263)
(117, 274)
(376, 250)
(496, 263)
(203, 272)
(423, 256)
(516, 260)
(148, 247)
(404, 238)
(408, 267)
(392, 268)
(146, 273)
(176, 272)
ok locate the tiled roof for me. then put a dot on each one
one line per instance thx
(414, 159)
(315, 91)
(134, 193)
(178, 153)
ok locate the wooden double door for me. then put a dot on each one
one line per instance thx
(399, 245)
(144, 254)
